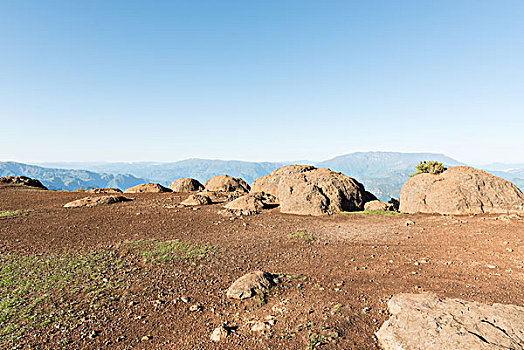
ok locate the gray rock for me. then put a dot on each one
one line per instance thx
(423, 321)
(250, 284)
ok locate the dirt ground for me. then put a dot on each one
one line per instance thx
(337, 272)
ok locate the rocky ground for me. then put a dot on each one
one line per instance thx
(148, 274)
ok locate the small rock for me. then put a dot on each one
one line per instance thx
(195, 307)
(146, 338)
(219, 334)
(260, 327)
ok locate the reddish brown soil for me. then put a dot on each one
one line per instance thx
(355, 261)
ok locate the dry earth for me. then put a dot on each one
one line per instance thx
(129, 275)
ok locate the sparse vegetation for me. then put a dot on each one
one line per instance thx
(32, 288)
(6, 214)
(429, 167)
(162, 252)
(301, 235)
(372, 212)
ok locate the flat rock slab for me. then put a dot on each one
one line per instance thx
(423, 321)
(250, 284)
(96, 201)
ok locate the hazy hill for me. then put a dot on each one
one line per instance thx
(383, 173)
(69, 179)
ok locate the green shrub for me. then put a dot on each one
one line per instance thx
(429, 167)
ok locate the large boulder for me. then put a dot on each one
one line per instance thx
(104, 190)
(22, 181)
(321, 191)
(251, 203)
(96, 201)
(226, 183)
(149, 187)
(423, 321)
(251, 284)
(269, 183)
(186, 185)
(460, 190)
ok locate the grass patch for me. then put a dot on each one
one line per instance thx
(372, 212)
(162, 252)
(58, 290)
(301, 235)
(7, 214)
(32, 289)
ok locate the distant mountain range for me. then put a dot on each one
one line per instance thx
(383, 173)
(69, 179)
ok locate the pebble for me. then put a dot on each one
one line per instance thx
(219, 334)
(146, 338)
(195, 307)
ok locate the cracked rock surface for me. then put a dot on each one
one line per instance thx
(423, 321)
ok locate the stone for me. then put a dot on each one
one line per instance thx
(250, 284)
(260, 327)
(460, 190)
(96, 201)
(269, 183)
(219, 334)
(251, 203)
(149, 187)
(106, 190)
(424, 321)
(321, 191)
(197, 199)
(377, 205)
(186, 185)
(22, 181)
(226, 183)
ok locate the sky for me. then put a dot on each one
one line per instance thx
(260, 80)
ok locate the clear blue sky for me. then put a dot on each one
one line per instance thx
(260, 80)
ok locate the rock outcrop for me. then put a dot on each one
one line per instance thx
(96, 201)
(252, 203)
(251, 284)
(197, 199)
(149, 187)
(423, 321)
(460, 190)
(22, 181)
(321, 191)
(226, 183)
(377, 205)
(104, 190)
(186, 185)
(306, 190)
(269, 183)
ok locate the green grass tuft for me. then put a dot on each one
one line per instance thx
(6, 214)
(162, 252)
(301, 235)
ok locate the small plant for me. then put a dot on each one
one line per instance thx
(7, 214)
(429, 167)
(316, 340)
(301, 235)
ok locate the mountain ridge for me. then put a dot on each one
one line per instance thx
(382, 173)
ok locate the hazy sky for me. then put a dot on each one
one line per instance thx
(260, 80)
